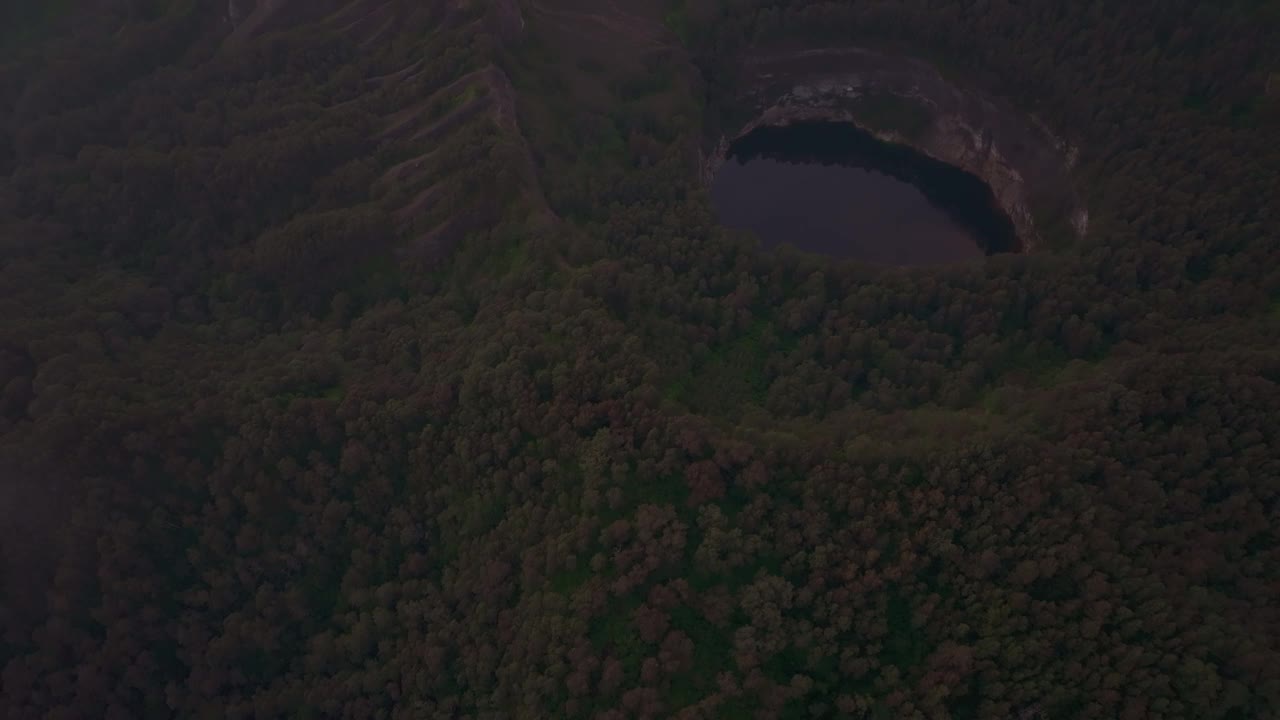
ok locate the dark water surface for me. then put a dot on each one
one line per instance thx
(831, 188)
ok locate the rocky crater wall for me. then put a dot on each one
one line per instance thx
(1027, 168)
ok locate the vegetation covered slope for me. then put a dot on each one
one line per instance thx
(382, 359)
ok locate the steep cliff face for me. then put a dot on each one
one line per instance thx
(1027, 169)
(236, 10)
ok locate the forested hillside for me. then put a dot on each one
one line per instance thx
(384, 359)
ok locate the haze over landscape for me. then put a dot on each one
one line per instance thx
(640, 359)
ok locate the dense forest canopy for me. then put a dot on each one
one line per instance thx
(382, 358)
